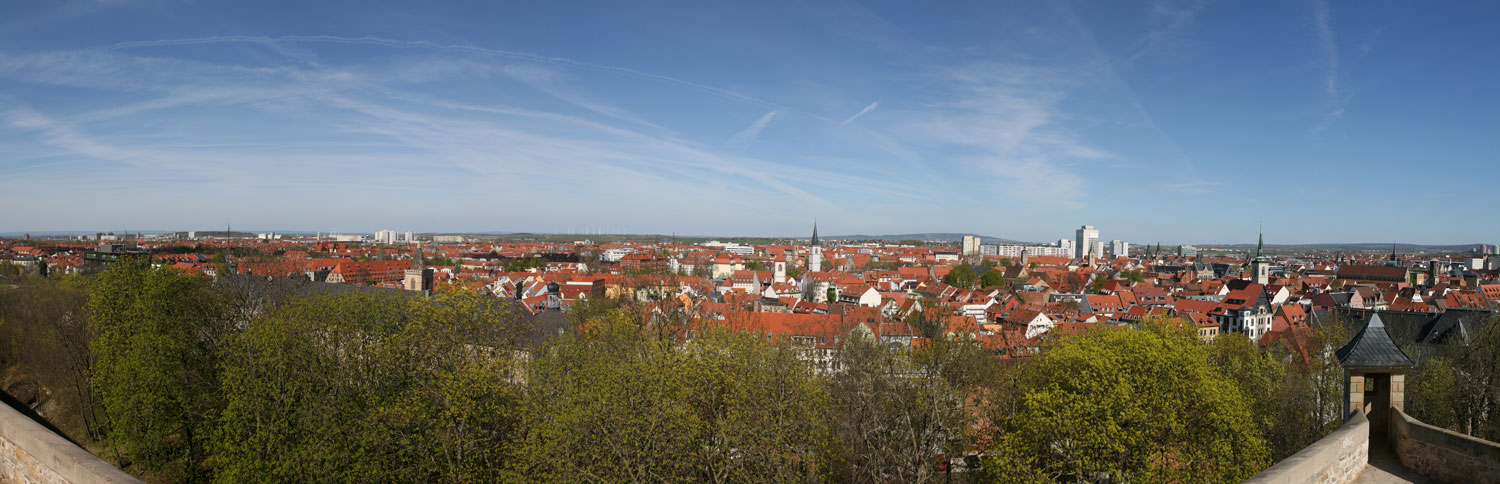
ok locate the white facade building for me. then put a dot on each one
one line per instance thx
(1119, 248)
(1015, 251)
(970, 245)
(1087, 240)
(741, 250)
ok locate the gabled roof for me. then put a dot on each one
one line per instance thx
(1372, 348)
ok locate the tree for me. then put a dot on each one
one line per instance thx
(1459, 388)
(610, 403)
(899, 412)
(992, 278)
(961, 276)
(45, 331)
(1437, 394)
(157, 372)
(1142, 406)
(753, 265)
(363, 387)
(526, 264)
(1259, 378)
(1310, 401)
(929, 321)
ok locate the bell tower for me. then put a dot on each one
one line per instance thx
(1260, 268)
(815, 252)
(418, 277)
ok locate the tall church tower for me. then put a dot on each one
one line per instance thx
(1260, 267)
(815, 252)
(418, 277)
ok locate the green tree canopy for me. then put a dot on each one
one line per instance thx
(992, 278)
(156, 374)
(1459, 388)
(961, 276)
(610, 403)
(361, 387)
(525, 264)
(1140, 406)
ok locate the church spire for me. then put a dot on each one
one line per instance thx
(1261, 245)
(229, 266)
(815, 232)
(416, 258)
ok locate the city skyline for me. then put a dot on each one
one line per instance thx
(1172, 121)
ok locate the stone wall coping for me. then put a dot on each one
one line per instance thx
(1316, 460)
(68, 461)
(1447, 439)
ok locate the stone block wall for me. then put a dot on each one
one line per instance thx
(1337, 458)
(32, 454)
(1443, 454)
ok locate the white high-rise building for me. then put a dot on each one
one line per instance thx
(1119, 248)
(970, 245)
(410, 236)
(385, 237)
(1067, 247)
(1088, 242)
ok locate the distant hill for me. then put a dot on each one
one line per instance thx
(1353, 247)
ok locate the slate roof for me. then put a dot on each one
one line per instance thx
(1456, 323)
(1372, 348)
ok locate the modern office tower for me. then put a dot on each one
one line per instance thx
(1087, 242)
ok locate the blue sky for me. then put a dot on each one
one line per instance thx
(1188, 122)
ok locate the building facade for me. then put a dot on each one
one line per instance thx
(1087, 242)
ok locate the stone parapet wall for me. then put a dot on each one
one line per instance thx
(1442, 454)
(31, 453)
(1337, 458)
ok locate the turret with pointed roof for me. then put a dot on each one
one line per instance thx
(1373, 349)
(1375, 373)
(815, 233)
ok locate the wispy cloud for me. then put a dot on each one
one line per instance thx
(287, 119)
(1338, 96)
(1169, 20)
(1006, 120)
(742, 139)
(373, 131)
(1323, 26)
(862, 112)
(1169, 24)
(459, 48)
